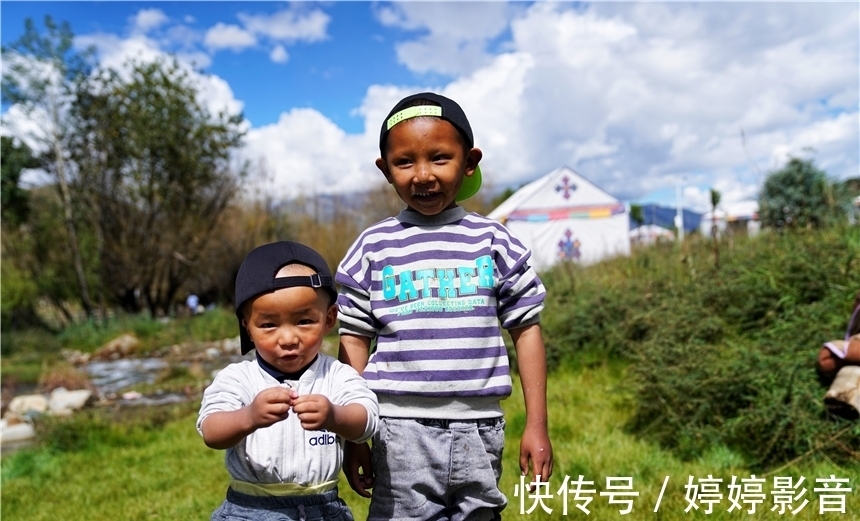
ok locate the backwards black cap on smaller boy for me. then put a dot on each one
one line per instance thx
(257, 275)
(444, 108)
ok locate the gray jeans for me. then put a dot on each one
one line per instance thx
(326, 506)
(438, 470)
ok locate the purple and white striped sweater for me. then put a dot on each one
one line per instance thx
(432, 291)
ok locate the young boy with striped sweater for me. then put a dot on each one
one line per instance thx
(430, 288)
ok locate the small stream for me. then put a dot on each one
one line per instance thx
(115, 379)
(111, 376)
(121, 382)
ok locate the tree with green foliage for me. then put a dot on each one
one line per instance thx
(799, 195)
(638, 217)
(715, 201)
(17, 295)
(636, 214)
(158, 171)
(14, 158)
(39, 75)
(19, 289)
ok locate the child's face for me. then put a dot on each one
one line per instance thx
(425, 160)
(287, 326)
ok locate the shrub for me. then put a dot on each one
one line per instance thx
(215, 324)
(719, 357)
(17, 294)
(63, 375)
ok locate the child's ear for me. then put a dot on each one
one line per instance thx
(383, 167)
(473, 157)
(331, 317)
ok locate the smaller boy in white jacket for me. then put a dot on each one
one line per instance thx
(284, 416)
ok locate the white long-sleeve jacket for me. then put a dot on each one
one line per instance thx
(285, 452)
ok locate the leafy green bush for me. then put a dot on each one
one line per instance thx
(32, 343)
(17, 293)
(719, 357)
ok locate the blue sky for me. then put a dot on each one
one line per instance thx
(637, 97)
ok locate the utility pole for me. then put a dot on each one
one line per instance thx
(679, 215)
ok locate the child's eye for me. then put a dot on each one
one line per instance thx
(266, 325)
(305, 322)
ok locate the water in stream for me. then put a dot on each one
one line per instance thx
(114, 378)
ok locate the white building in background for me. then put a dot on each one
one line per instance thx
(738, 217)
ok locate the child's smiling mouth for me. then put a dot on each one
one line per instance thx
(426, 196)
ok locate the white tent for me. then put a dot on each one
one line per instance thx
(649, 234)
(738, 216)
(562, 215)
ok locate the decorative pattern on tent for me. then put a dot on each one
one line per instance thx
(562, 216)
(565, 186)
(569, 249)
(572, 212)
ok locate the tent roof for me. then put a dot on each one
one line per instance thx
(513, 202)
(560, 189)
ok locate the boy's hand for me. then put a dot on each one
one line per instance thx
(271, 406)
(315, 412)
(357, 467)
(536, 447)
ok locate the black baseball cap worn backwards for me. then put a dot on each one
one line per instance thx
(257, 276)
(446, 109)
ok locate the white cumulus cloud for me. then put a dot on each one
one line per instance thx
(454, 34)
(228, 36)
(147, 19)
(289, 25)
(305, 153)
(279, 54)
(639, 98)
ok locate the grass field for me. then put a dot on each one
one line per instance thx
(165, 472)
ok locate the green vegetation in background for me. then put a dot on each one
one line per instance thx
(721, 357)
(141, 173)
(17, 156)
(799, 195)
(30, 352)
